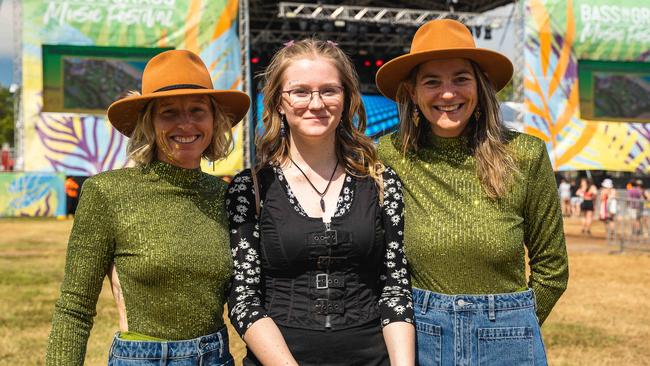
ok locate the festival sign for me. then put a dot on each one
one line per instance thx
(587, 82)
(78, 56)
(612, 30)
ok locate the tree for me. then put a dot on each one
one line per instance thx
(507, 93)
(6, 116)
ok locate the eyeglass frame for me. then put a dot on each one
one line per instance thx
(311, 95)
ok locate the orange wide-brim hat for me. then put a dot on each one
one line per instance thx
(174, 73)
(442, 39)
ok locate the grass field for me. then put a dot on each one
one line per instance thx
(603, 318)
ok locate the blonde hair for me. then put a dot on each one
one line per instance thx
(142, 146)
(495, 163)
(355, 149)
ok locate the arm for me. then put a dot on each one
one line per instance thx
(396, 302)
(90, 252)
(544, 233)
(245, 300)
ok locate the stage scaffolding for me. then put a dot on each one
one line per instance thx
(19, 120)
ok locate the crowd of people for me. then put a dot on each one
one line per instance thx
(607, 204)
(330, 250)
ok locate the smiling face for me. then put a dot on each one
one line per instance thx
(184, 128)
(320, 117)
(446, 92)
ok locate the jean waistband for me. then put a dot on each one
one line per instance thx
(432, 300)
(171, 349)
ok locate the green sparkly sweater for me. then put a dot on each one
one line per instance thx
(459, 241)
(166, 231)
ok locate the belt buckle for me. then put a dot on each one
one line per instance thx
(321, 306)
(322, 278)
(332, 237)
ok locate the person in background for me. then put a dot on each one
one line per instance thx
(635, 206)
(478, 200)
(608, 207)
(565, 197)
(159, 231)
(645, 219)
(587, 206)
(578, 194)
(6, 163)
(71, 195)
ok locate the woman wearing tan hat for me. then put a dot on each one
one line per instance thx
(158, 230)
(477, 199)
(316, 231)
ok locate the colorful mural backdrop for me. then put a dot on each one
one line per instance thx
(558, 35)
(86, 144)
(32, 194)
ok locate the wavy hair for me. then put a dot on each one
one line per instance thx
(142, 146)
(487, 136)
(354, 148)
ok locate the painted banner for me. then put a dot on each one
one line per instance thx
(71, 135)
(32, 194)
(559, 36)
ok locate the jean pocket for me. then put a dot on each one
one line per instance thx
(505, 346)
(429, 344)
(214, 358)
(118, 361)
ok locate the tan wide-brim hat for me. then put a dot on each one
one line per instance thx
(443, 39)
(174, 73)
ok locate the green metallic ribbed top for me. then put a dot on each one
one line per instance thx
(165, 228)
(459, 241)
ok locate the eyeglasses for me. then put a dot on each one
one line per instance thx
(301, 97)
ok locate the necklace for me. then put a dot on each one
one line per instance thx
(321, 194)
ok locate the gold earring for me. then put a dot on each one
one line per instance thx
(416, 116)
(477, 114)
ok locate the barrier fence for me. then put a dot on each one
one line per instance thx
(627, 221)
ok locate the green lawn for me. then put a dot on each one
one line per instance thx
(603, 319)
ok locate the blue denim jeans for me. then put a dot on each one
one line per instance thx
(209, 350)
(477, 330)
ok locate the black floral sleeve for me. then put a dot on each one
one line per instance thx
(396, 301)
(245, 299)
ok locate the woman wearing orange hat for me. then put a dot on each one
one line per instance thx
(159, 231)
(477, 199)
(320, 275)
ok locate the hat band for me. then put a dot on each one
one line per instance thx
(179, 86)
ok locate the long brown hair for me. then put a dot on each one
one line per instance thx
(495, 163)
(354, 148)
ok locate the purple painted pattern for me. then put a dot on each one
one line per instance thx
(80, 145)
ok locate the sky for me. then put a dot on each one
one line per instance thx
(6, 42)
(498, 42)
(503, 38)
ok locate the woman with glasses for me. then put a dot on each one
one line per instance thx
(320, 276)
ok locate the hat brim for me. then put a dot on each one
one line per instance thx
(496, 66)
(123, 113)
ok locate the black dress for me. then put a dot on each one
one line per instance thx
(329, 287)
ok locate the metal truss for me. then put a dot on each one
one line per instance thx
(393, 16)
(519, 59)
(344, 39)
(19, 121)
(244, 41)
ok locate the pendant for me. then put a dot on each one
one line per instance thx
(322, 204)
